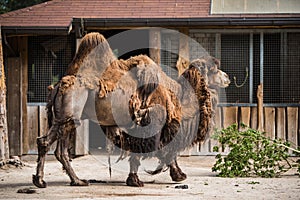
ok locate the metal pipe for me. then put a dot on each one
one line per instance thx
(261, 59)
(251, 68)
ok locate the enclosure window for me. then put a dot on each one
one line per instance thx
(271, 57)
(290, 74)
(272, 71)
(169, 53)
(48, 59)
(235, 62)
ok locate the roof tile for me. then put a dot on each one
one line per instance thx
(61, 12)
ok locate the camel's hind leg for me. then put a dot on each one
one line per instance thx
(175, 172)
(44, 143)
(62, 154)
(133, 179)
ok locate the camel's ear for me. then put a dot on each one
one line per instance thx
(217, 62)
(201, 65)
(213, 64)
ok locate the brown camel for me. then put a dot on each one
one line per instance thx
(157, 116)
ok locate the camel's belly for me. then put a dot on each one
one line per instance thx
(113, 109)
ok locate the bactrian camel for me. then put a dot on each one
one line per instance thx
(141, 109)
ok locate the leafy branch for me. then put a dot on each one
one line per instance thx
(252, 154)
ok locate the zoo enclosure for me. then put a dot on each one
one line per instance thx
(252, 56)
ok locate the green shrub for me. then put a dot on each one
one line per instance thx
(251, 154)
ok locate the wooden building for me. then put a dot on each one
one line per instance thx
(256, 41)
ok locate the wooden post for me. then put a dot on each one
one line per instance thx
(23, 43)
(14, 108)
(183, 54)
(292, 122)
(4, 149)
(260, 108)
(230, 116)
(245, 116)
(281, 123)
(155, 45)
(270, 121)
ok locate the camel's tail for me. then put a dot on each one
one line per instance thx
(162, 167)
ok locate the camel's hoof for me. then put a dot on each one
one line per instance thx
(177, 175)
(38, 182)
(133, 180)
(80, 183)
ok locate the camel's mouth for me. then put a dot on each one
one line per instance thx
(225, 84)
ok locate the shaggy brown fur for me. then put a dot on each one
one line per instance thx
(92, 77)
(88, 43)
(198, 83)
(110, 78)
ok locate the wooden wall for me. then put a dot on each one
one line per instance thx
(279, 122)
(17, 82)
(37, 126)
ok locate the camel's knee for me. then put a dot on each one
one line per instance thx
(42, 141)
(43, 145)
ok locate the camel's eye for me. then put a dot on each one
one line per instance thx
(213, 70)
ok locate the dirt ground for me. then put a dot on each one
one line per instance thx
(201, 182)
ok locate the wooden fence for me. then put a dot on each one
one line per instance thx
(279, 122)
(37, 125)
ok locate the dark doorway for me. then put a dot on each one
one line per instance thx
(124, 43)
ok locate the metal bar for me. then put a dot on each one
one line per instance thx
(285, 62)
(251, 68)
(36, 104)
(218, 46)
(261, 54)
(254, 104)
(282, 57)
(238, 30)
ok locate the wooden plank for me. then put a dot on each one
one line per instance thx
(204, 147)
(230, 116)
(14, 106)
(253, 122)
(260, 108)
(4, 147)
(82, 139)
(218, 125)
(281, 123)
(155, 45)
(186, 125)
(43, 126)
(292, 122)
(269, 119)
(43, 121)
(23, 41)
(245, 116)
(33, 128)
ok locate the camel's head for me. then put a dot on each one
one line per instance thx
(209, 68)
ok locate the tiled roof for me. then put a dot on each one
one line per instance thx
(59, 13)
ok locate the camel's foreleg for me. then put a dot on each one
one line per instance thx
(43, 143)
(133, 179)
(62, 154)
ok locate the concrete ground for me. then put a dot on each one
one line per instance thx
(201, 182)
